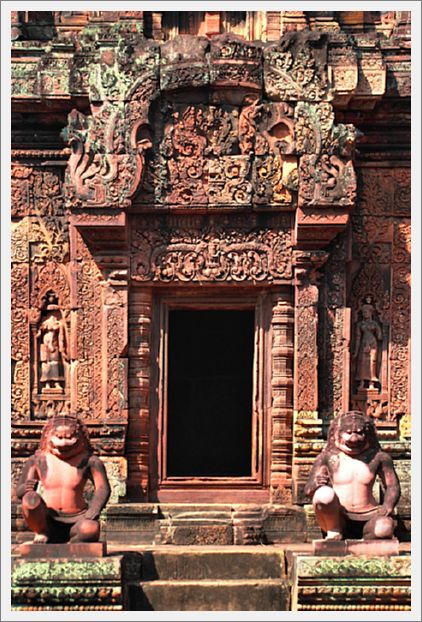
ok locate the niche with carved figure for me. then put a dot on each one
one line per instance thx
(369, 358)
(50, 342)
(367, 351)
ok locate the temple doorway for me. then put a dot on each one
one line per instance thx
(209, 396)
(209, 393)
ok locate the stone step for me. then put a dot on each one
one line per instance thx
(204, 524)
(228, 563)
(246, 595)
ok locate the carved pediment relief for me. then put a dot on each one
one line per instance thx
(171, 138)
(208, 155)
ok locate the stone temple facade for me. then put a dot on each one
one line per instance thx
(211, 258)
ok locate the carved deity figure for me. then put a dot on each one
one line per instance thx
(52, 350)
(342, 479)
(63, 464)
(368, 336)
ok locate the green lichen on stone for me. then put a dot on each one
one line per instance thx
(67, 571)
(24, 79)
(354, 567)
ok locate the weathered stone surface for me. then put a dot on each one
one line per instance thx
(356, 547)
(132, 523)
(284, 524)
(253, 595)
(184, 524)
(69, 550)
(73, 583)
(209, 578)
(183, 563)
(368, 585)
(196, 531)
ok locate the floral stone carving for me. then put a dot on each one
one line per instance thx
(214, 251)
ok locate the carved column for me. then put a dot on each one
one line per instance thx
(15, 24)
(114, 294)
(307, 424)
(325, 21)
(137, 446)
(86, 379)
(282, 396)
(293, 20)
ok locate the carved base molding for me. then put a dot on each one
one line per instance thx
(87, 585)
(351, 583)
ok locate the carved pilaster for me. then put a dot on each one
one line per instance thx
(86, 378)
(400, 328)
(20, 349)
(292, 20)
(282, 396)
(334, 330)
(114, 335)
(137, 446)
(306, 323)
(323, 20)
(307, 424)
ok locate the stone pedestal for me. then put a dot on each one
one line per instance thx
(69, 550)
(47, 583)
(351, 583)
(356, 547)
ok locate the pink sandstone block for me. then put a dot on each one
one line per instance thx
(356, 547)
(53, 551)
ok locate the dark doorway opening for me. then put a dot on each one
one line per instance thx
(209, 408)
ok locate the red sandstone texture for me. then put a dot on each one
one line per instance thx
(258, 159)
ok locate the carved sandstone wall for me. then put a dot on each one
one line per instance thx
(210, 160)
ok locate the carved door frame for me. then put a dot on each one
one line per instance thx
(256, 486)
(317, 194)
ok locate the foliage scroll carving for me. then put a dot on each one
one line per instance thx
(211, 252)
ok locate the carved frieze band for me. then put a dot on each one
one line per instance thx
(205, 250)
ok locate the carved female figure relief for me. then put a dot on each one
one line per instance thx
(368, 336)
(52, 345)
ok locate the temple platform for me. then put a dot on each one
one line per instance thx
(210, 557)
(285, 577)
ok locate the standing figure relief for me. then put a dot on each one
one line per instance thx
(366, 352)
(52, 342)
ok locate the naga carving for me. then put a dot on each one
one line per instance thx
(99, 174)
(272, 146)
